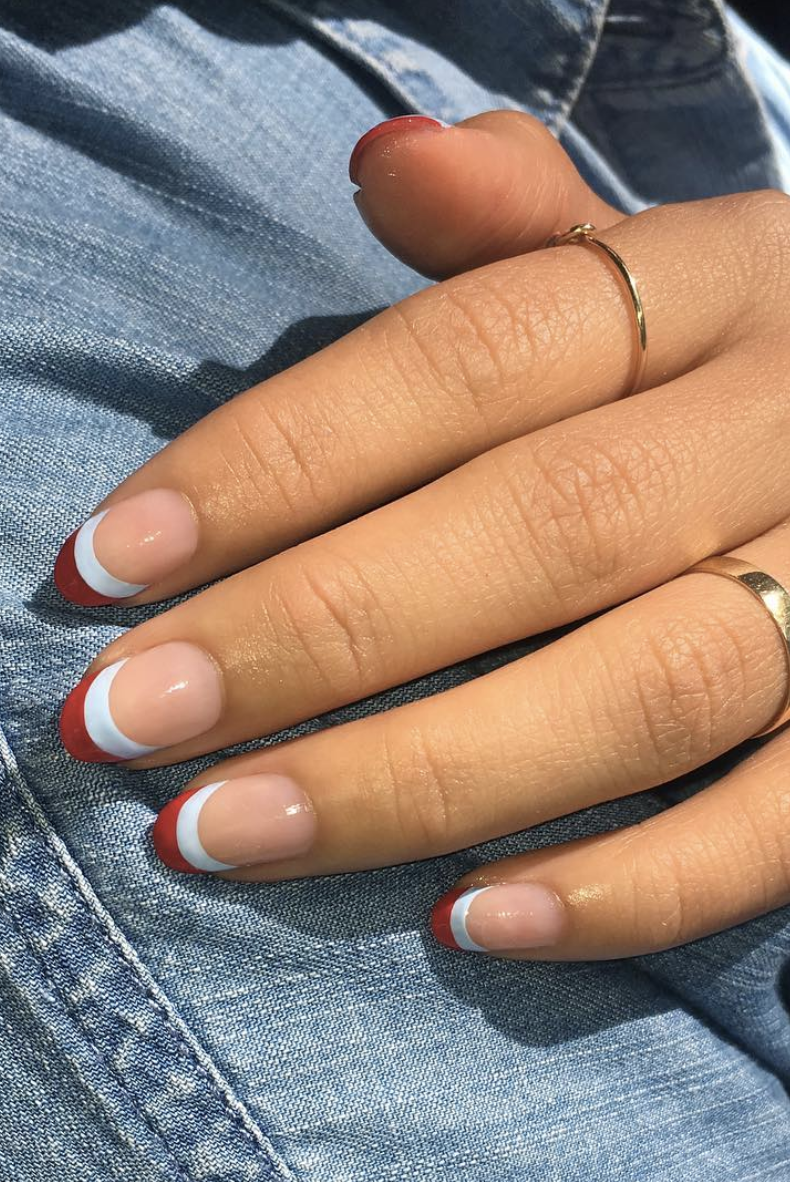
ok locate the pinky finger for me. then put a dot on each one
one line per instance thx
(716, 860)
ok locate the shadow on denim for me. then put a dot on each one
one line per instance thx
(163, 402)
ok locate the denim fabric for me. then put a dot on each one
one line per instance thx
(176, 224)
(771, 74)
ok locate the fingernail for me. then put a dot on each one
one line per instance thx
(232, 823)
(388, 127)
(124, 549)
(140, 704)
(497, 918)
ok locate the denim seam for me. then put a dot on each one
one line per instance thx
(97, 1109)
(734, 55)
(368, 56)
(670, 80)
(586, 65)
(361, 54)
(104, 1059)
(125, 958)
(727, 57)
(666, 82)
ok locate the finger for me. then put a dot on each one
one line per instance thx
(424, 387)
(528, 537)
(630, 700)
(716, 860)
(447, 199)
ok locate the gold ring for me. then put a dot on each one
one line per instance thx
(772, 595)
(584, 234)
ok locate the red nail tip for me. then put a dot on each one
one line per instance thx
(440, 917)
(164, 837)
(388, 127)
(73, 732)
(70, 582)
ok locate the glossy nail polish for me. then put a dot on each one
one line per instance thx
(399, 124)
(230, 823)
(138, 705)
(498, 918)
(122, 550)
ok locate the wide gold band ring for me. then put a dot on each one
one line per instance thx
(584, 235)
(773, 596)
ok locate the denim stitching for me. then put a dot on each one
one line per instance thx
(597, 27)
(73, 1012)
(733, 53)
(82, 894)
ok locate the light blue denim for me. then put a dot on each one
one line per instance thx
(176, 223)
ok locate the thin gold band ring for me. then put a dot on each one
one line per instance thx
(583, 234)
(773, 596)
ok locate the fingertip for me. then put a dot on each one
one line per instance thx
(441, 918)
(389, 127)
(164, 835)
(494, 186)
(73, 730)
(70, 582)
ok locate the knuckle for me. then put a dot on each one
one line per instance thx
(765, 213)
(762, 820)
(763, 852)
(671, 879)
(268, 449)
(420, 791)
(337, 621)
(589, 506)
(676, 877)
(775, 828)
(698, 875)
(660, 883)
(685, 674)
(764, 218)
(239, 454)
(474, 346)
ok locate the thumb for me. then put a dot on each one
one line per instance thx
(445, 199)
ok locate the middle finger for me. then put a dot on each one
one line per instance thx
(531, 535)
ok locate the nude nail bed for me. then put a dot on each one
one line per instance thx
(138, 705)
(230, 823)
(121, 551)
(498, 918)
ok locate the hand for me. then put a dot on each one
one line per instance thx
(457, 473)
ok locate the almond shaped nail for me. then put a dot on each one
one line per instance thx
(138, 705)
(121, 551)
(498, 918)
(230, 823)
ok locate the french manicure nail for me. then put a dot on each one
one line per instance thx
(124, 549)
(511, 916)
(388, 127)
(241, 822)
(140, 704)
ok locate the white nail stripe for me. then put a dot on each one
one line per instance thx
(458, 920)
(99, 721)
(189, 844)
(92, 571)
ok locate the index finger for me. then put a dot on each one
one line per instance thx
(419, 389)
